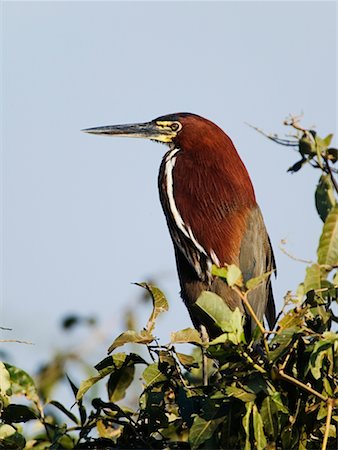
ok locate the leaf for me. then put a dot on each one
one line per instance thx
(246, 424)
(5, 381)
(240, 393)
(255, 282)
(188, 335)
(324, 196)
(313, 278)
(234, 276)
(202, 430)
(328, 244)
(228, 321)
(260, 439)
(62, 408)
(298, 165)
(22, 383)
(269, 414)
(119, 360)
(131, 337)
(10, 438)
(152, 375)
(18, 413)
(221, 272)
(188, 361)
(276, 397)
(119, 381)
(160, 304)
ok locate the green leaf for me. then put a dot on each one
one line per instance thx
(328, 244)
(202, 430)
(62, 408)
(22, 383)
(10, 438)
(131, 337)
(260, 439)
(255, 282)
(246, 424)
(228, 321)
(18, 413)
(188, 361)
(152, 375)
(313, 278)
(119, 360)
(234, 276)
(119, 381)
(160, 304)
(269, 414)
(5, 381)
(188, 335)
(221, 272)
(240, 393)
(324, 196)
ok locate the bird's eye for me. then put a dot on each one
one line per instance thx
(175, 126)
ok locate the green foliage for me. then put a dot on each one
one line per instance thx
(276, 392)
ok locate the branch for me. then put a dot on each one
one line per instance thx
(17, 341)
(303, 386)
(328, 423)
(275, 138)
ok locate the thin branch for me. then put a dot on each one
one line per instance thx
(328, 423)
(6, 329)
(329, 169)
(282, 242)
(205, 341)
(275, 138)
(303, 386)
(16, 341)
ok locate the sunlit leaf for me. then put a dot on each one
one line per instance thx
(246, 424)
(328, 244)
(131, 337)
(187, 361)
(188, 335)
(22, 383)
(254, 282)
(10, 438)
(160, 304)
(313, 278)
(224, 318)
(153, 375)
(260, 439)
(234, 276)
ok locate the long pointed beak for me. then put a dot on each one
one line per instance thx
(148, 130)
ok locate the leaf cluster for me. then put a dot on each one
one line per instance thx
(277, 391)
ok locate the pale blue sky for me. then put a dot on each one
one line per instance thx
(81, 215)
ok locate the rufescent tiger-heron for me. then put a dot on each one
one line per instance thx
(211, 211)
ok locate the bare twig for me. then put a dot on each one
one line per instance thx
(5, 329)
(275, 138)
(16, 341)
(205, 341)
(333, 179)
(303, 386)
(328, 423)
(305, 261)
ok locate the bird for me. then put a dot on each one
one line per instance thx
(211, 211)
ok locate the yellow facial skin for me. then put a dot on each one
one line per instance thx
(169, 131)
